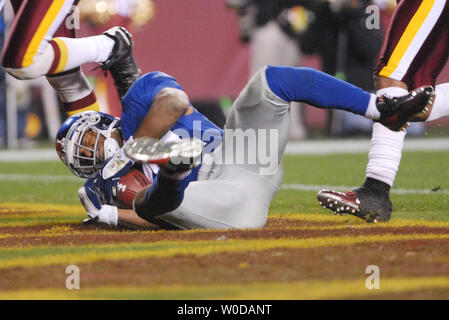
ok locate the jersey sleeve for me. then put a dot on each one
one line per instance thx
(139, 98)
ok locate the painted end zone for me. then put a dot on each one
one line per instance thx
(296, 256)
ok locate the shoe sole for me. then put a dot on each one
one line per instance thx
(403, 126)
(123, 32)
(336, 204)
(147, 150)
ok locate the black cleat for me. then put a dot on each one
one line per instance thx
(121, 62)
(398, 111)
(361, 202)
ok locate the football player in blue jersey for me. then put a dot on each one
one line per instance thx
(203, 176)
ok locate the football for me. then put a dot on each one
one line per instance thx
(128, 186)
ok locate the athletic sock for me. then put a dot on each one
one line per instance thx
(71, 53)
(386, 147)
(372, 112)
(377, 186)
(440, 107)
(74, 91)
(317, 88)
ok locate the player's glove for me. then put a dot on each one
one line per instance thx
(95, 211)
(89, 198)
(107, 215)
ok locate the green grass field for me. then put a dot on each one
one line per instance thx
(304, 251)
(419, 171)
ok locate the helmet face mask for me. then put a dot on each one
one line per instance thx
(96, 128)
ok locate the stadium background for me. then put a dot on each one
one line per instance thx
(201, 48)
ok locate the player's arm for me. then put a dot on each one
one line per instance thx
(130, 220)
(113, 216)
(168, 106)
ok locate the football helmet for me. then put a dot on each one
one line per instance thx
(84, 161)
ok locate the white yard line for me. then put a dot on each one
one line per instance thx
(307, 187)
(295, 186)
(28, 155)
(302, 147)
(38, 177)
(358, 146)
(293, 147)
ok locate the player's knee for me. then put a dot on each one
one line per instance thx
(19, 68)
(35, 70)
(254, 91)
(258, 80)
(381, 82)
(252, 213)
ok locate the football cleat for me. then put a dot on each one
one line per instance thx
(424, 115)
(398, 111)
(121, 62)
(361, 202)
(173, 156)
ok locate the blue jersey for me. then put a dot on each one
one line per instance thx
(139, 99)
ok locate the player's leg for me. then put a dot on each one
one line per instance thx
(74, 90)
(32, 50)
(236, 199)
(271, 45)
(264, 103)
(441, 106)
(258, 110)
(428, 72)
(26, 54)
(414, 52)
(45, 45)
(233, 198)
(72, 86)
(240, 194)
(239, 197)
(417, 50)
(385, 153)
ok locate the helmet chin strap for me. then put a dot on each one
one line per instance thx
(111, 147)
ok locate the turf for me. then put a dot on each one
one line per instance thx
(302, 253)
(419, 170)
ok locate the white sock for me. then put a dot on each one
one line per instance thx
(94, 49)
(392, 92)
(441, 105)
(386, 147)
(372, 112)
